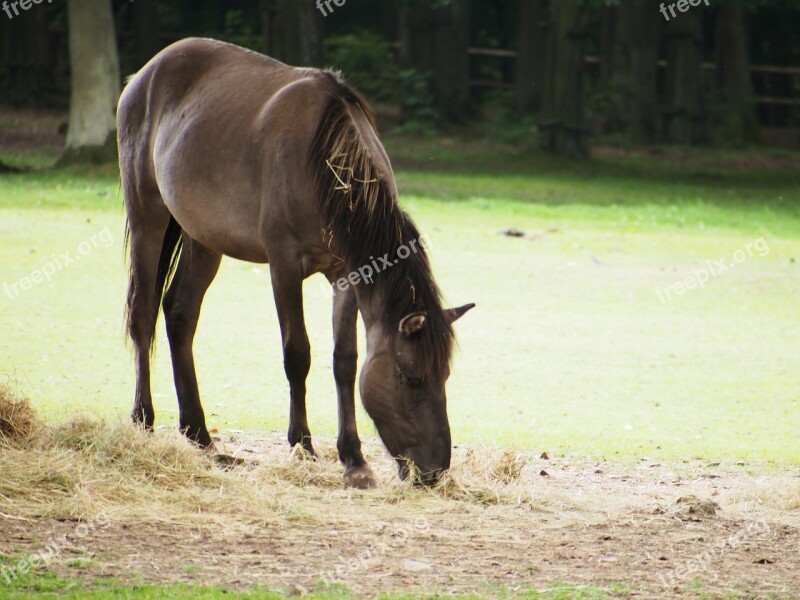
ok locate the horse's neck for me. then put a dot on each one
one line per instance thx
(372, 307)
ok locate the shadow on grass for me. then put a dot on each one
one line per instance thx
(450, 168)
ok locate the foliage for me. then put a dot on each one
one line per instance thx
(34, 66)
(514, 129)
(366, 63)
(609, 109)
(504, 123)
(419, 113)
(724, 124)
(238, 29)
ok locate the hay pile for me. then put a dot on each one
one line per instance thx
(80, 468)
(18, 422)
(77, 469)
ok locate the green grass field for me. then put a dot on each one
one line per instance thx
(570, 349)
(38, 585)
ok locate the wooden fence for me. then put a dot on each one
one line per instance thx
(594, 60)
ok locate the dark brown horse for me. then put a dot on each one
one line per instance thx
(227, 152)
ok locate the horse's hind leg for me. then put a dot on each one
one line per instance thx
(147, 222)
(197, 268)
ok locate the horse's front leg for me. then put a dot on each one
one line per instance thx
(287, 287)
(345, 356)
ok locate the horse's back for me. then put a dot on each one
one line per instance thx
(201, 79)
(199, 64)
(215, 127)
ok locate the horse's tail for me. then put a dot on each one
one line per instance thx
(167, 262)
(168, 259)
(348, 185)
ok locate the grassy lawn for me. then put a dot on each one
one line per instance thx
(44, 585)
(575, 346)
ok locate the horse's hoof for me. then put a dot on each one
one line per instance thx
(360, 478)
(210, 450)
(302, 453)
(143, 420)
(199, 436)
(308, 448)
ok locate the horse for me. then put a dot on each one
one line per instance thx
(224, 151)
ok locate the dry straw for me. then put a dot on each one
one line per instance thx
(18, 422)
(77, 469)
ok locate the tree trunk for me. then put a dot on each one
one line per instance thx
(5, 59)
(630, 36)
(685, 115)
(641, 30)
(26, 63)
(292, 32)
(145, 31)
(95, 82)
(434, 42)
(306, 46)
(563, 122)
(507, 13)
(416, 37)
(269, 36)
(610, 44)
(740, 122)
(531, 47)
(390, 22)
(451, 60)
(612, 99)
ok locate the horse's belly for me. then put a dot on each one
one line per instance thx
(238, 245)
(220, 228)
(215, 201)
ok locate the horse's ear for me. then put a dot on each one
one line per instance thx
(412, 323)
(453, 314)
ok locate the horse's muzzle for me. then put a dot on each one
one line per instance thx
(427, 477)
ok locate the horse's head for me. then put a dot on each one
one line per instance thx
(406, 398)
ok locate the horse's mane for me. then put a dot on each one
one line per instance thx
(362, 221)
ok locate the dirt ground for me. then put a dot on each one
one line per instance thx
(505, 521)
(32, 132)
